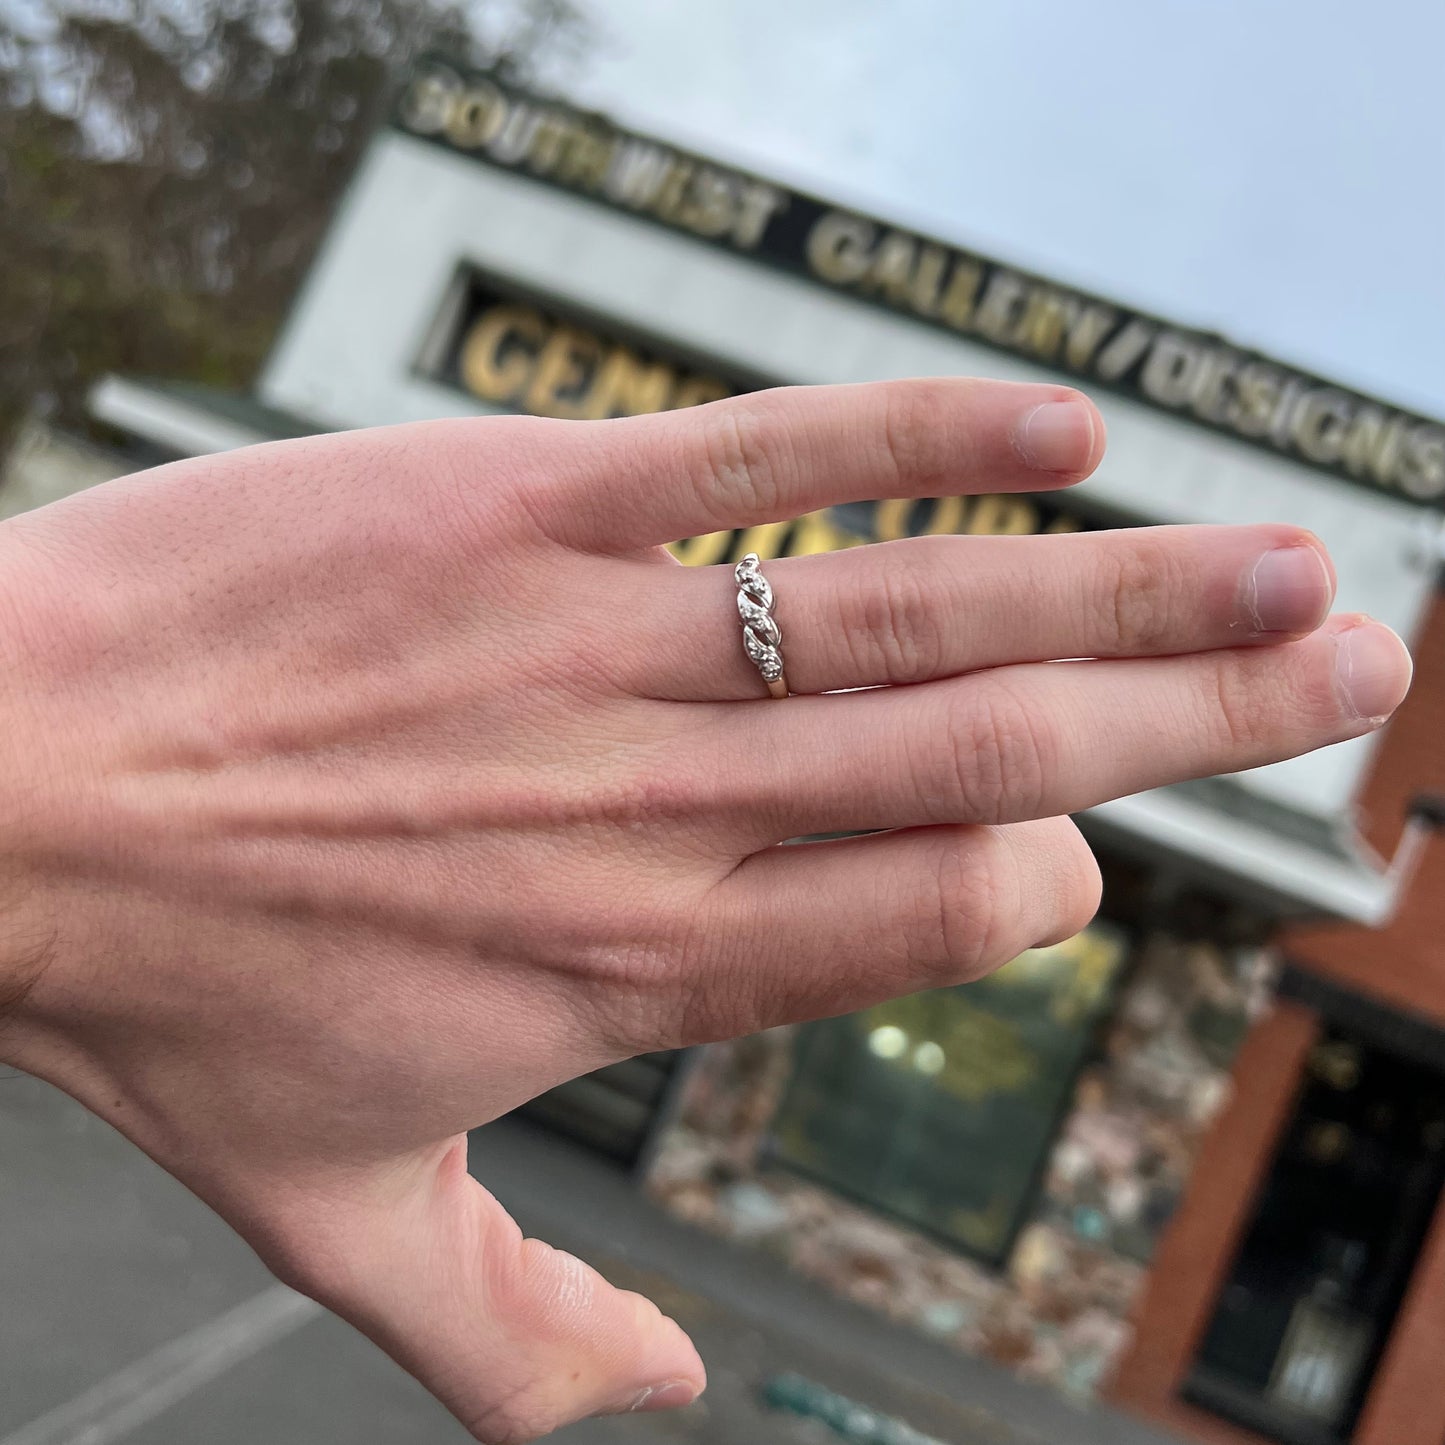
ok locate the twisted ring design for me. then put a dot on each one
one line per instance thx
(762, 637)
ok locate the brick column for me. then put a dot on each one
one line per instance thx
(1198, 1247)
(1406, 1403)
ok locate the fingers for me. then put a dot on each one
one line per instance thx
(516, 1338)
(824, 928)
(931, 607)
(1041, 739)
(625, 484)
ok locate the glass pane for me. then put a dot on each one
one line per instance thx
(939, 1108)
(1327, 1256)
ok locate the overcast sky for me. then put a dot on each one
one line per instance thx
(1272, 169)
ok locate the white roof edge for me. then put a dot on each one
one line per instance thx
(1347, 889)
(149, 412)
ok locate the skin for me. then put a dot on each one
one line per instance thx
(361, 787)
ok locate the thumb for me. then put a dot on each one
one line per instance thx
(516, 1338)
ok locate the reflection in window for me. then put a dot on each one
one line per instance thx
(1328, 1254)
(940, 1108)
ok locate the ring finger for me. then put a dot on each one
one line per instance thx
(932, 607)
(1040, 739)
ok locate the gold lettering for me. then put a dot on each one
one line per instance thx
(818, 532)
(956, 307)
(562, 368)
(585, 159)
(476, 117)
(767, 541)
(1422, 473)
(667, 204)
(840, 247)
(996, 516)
(698, 390)
(511, 140)
(429, 101)
(711, 205)
(891, 519)
(892, 268)
(757, 205)
(702, 551)
(627, 386)
(1171, 369)
(549, 141)
(948, 517)
(1212, 387)
(1119, 356)
(998, 311)
(499, 352)
(1256, 389)
(928, 280)
(1283, 423)
(1040, 330)
(637, 172)
(1085, 331)
(1320, 423)
(1372, 447)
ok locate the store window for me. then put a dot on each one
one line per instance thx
(1305, 1312)
(939, 1109)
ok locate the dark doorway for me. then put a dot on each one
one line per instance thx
(1304, 1315)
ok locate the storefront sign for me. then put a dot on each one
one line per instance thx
(513, 353)
(1189, 373)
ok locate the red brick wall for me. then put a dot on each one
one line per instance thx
(1189, 1265)
(1403, 965)
(1406, 1405)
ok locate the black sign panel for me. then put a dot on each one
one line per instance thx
(1190, 373)
(513, 352)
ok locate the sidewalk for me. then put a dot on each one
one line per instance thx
(752, 1321)
(128, 1312)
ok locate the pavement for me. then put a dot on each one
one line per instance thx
(129, 1312)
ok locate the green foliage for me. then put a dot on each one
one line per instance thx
(166, 172)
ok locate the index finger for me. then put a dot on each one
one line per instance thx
(771, 455)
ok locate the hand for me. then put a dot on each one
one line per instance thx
(360, 788)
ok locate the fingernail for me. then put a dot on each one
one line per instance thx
(1288, 590)
(1057, 436)
(1372, 670)
(670, 1396)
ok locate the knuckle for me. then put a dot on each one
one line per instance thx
(1141, 581)
(918, 415)
(659, 794)
(1000, 756)
(642, 993)
(1256, 703)
(960, 914)
(1234, 709)
(521, 495)
(747, 465)
(891, 632)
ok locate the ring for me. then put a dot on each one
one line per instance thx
(762, 637)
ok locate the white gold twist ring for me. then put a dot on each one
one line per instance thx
(762, 637)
